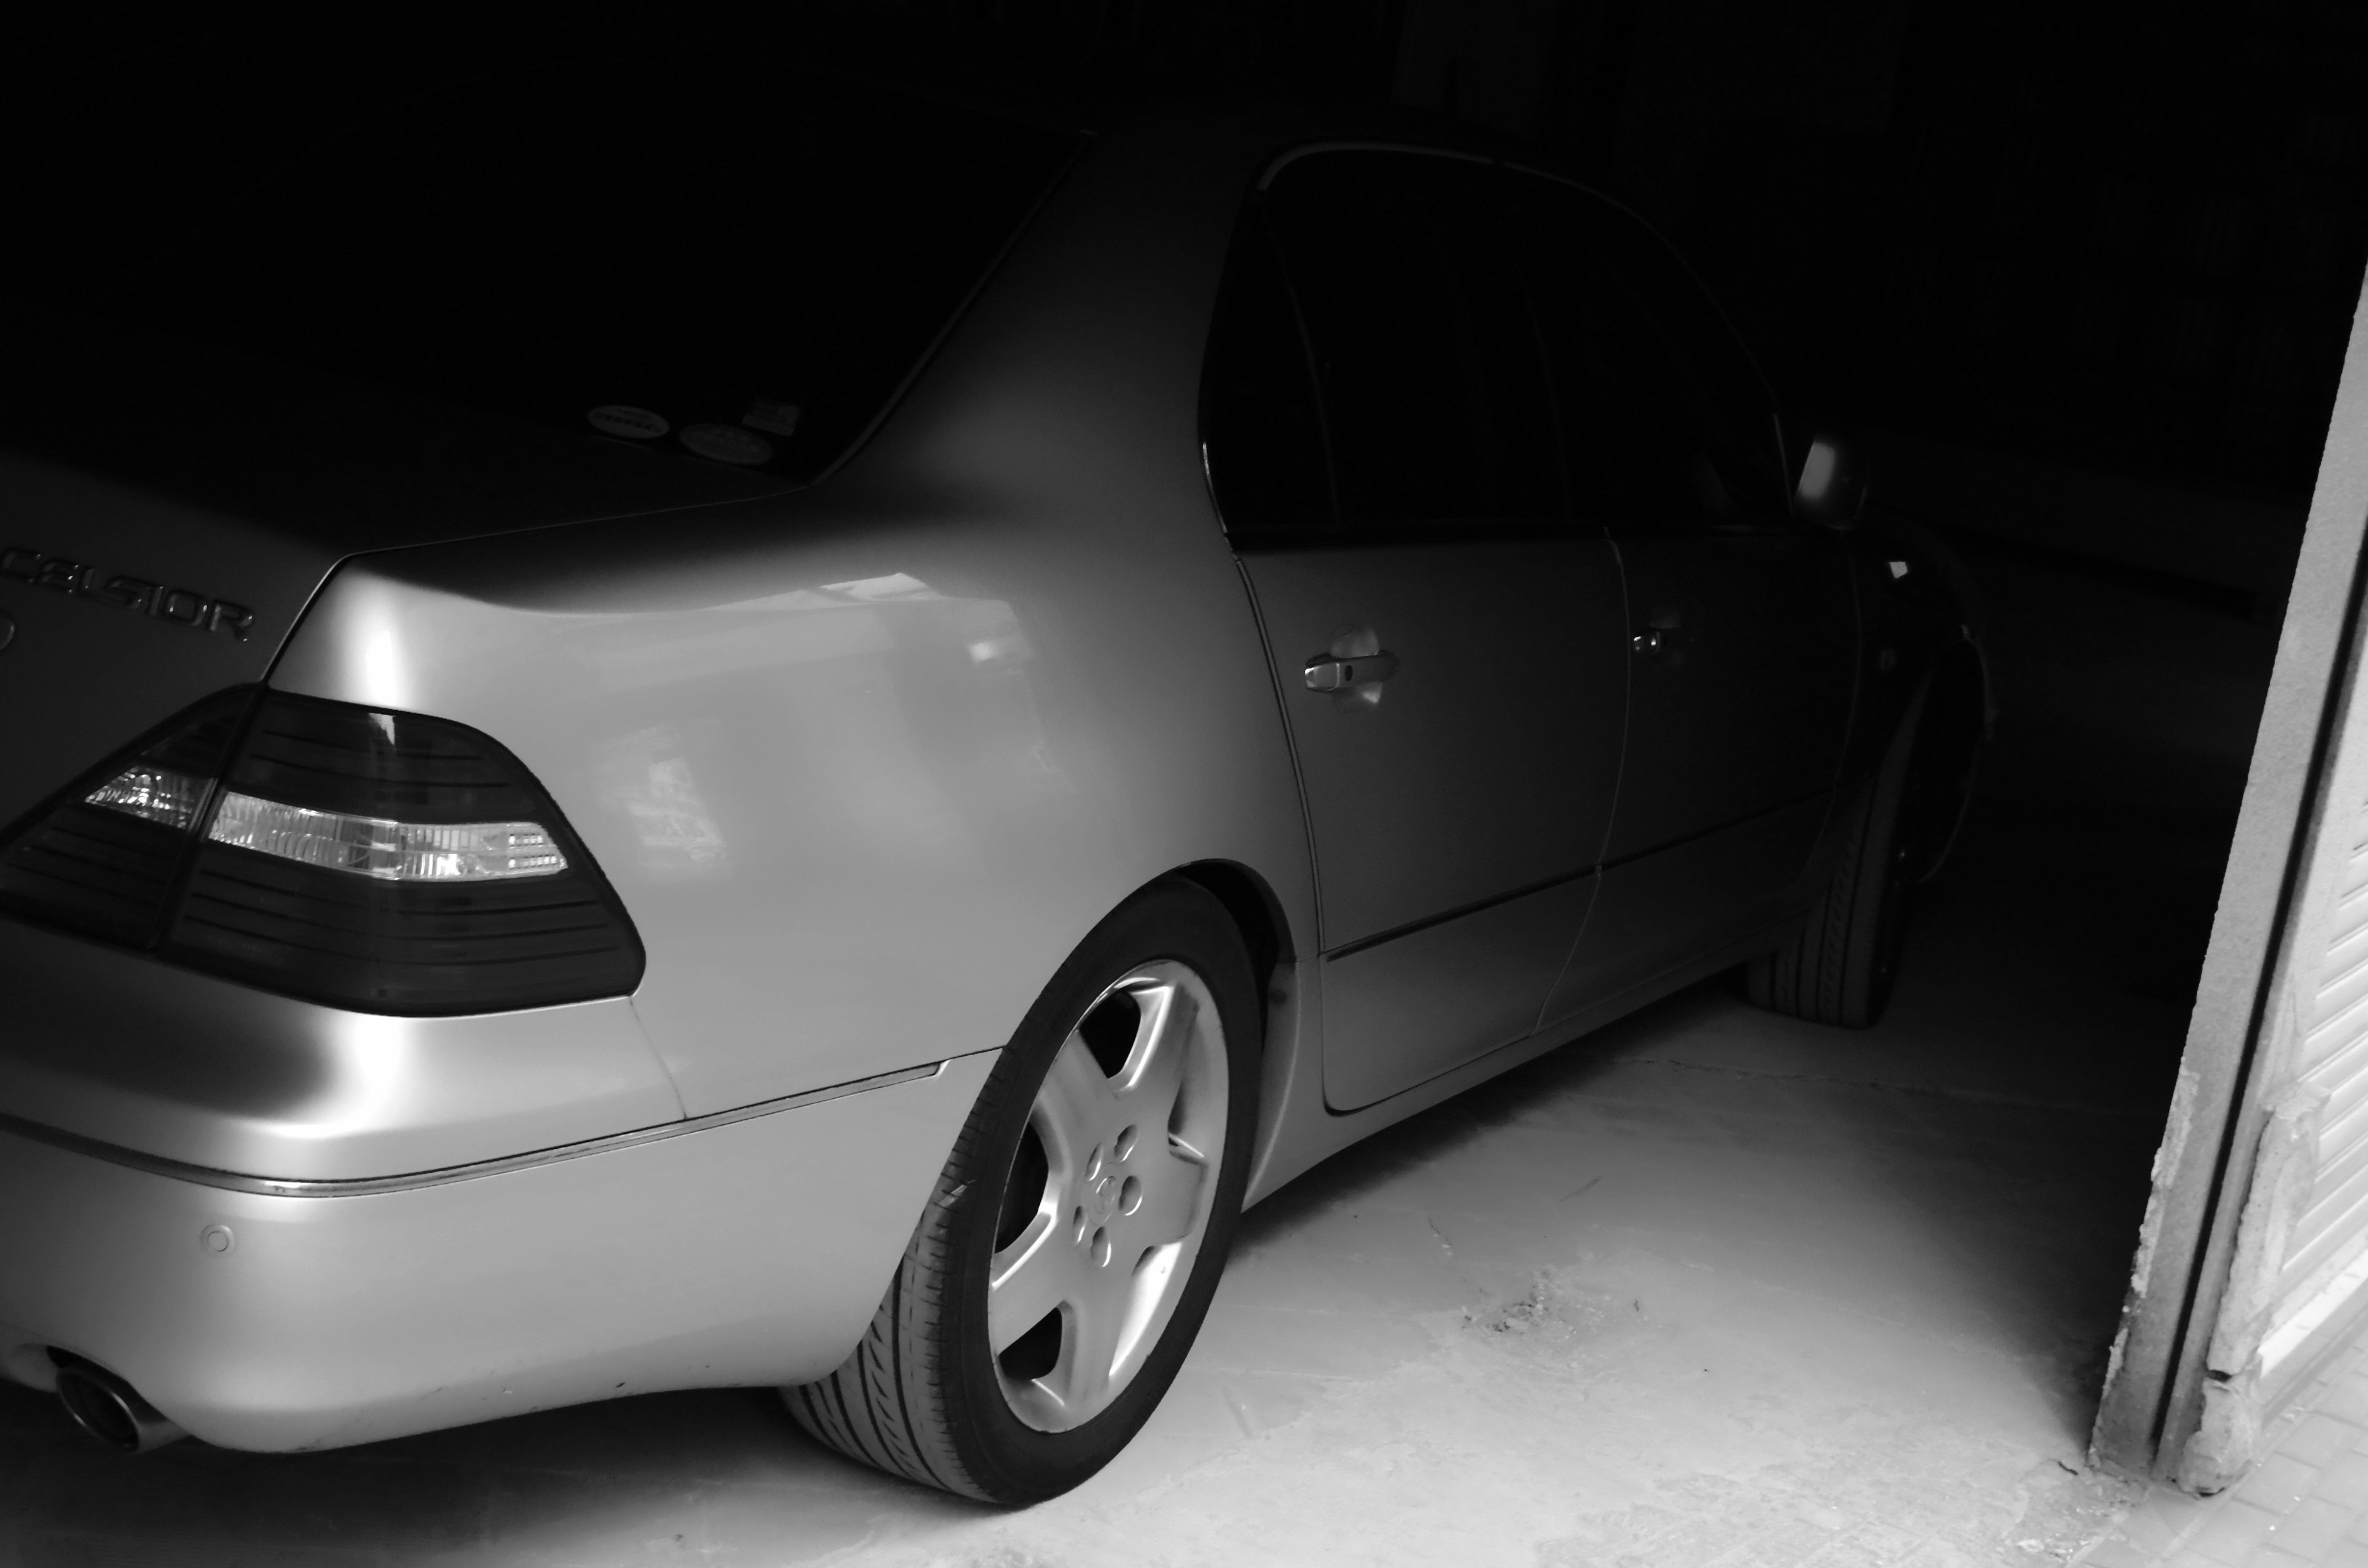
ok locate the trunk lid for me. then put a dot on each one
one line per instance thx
(167, 511)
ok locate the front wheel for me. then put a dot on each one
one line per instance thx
(1068, 1252)
(1838, 968)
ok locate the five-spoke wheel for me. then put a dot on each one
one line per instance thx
(1109, 1196)
(1063, 1266)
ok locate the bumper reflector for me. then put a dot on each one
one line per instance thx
(389, 851)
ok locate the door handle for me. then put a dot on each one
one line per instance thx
(1328, 673)
(1661, 634)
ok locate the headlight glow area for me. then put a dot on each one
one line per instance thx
(389, 851)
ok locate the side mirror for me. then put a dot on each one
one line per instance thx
(1833, 482)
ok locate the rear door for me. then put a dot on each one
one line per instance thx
(1742, 628)
(1451, 648)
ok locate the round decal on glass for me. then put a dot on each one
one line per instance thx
(623, 419)
(726, 443)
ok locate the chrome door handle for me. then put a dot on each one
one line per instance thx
(1330, 674)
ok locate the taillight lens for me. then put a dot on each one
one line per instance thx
(105, 857)
(387, 861)
(391, 851)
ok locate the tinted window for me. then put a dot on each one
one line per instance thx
(751, 250)
(1259, 426)
(1432, 389)
(1663, 416)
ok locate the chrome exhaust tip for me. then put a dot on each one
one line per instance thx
(110, 1409)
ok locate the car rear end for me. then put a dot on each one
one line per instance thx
(325, 1113)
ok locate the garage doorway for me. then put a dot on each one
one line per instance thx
(2252, 1257)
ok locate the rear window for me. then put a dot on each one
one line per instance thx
(729, 261)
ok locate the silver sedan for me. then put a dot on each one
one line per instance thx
(678, 726)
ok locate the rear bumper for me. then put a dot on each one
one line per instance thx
(751, 1252)
(135, 1053)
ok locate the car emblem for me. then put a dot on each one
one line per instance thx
(159, 601)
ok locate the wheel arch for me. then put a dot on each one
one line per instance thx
(1959, 712)
(1250, 899)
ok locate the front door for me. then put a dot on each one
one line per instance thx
(1742, 621)
(1450, 649)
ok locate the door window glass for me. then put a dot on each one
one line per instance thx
(1736, 402)
(1261, 433)
(1663, 416)
(1432, 389)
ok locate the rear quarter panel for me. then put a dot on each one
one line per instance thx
(865, 762)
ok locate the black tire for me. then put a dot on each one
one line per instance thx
(920, 1396)
(1838, 968)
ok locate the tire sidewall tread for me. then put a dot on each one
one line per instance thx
(1833, 970)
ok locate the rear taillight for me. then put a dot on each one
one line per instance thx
(386, 861)
(104, 857)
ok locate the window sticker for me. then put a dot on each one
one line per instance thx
(768, 414)
(623, 419)
(727, 443)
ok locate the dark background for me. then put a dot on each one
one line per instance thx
(2123, 234)
(2076, 274)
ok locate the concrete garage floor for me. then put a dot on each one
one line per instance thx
(1707, 1287)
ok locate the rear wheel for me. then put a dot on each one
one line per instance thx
(1067, 1255)
(1840, 967)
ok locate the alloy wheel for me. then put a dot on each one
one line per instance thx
(1109, 1196)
